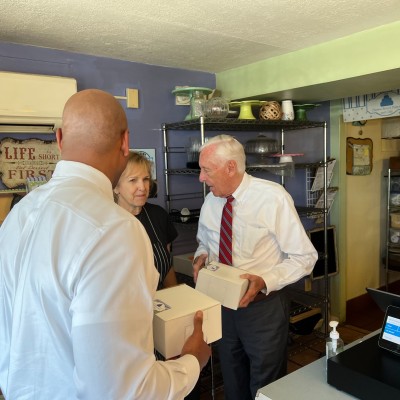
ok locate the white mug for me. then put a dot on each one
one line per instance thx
(287, 110)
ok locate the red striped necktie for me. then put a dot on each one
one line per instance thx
(225, 238)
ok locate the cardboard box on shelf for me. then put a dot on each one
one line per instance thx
(174, 310)
(223, 283)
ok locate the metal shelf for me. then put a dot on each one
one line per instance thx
(233, 124)
(391, 259)
(310, 212)
(267, 167)
(182, 171)
(303, 211)
(203, 125)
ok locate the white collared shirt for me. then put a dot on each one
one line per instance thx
(77, 280)
(269, 239)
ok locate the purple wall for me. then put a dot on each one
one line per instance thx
(156, 105)
(155, 83)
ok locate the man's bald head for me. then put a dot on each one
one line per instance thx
(93, 129)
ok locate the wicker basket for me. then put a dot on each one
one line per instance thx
(270, 110)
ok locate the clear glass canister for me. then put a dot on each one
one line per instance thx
(217, 107)
(197, 104)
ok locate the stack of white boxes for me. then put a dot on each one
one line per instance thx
(174, 308)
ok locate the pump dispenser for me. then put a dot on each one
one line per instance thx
(334, 344)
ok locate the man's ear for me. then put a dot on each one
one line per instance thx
(125, 143)
(232, 167)
(59, 139)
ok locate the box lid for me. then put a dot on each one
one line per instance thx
(179, 301)
(226, 272)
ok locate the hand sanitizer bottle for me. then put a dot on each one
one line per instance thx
(334, 344)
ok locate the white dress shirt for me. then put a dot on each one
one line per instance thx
(76, 284)
(269, 239)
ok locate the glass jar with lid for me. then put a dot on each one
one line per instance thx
(197, 104)
(217, 107)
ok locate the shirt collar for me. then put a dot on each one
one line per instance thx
(241, 190)
(83, 171)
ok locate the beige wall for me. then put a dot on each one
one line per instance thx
(366, 210)
(5, 202)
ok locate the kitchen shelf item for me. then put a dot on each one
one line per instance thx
(246, 111)
(192, 92)
(197, 104)
(217, 107)
(271, 110)
(285, 157)
(301, 110)
(262, 147)
(287, 110)
(395, 220)
(193, 153)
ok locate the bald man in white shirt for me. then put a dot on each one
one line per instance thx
(77, 278)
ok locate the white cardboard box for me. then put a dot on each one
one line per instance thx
(174, 310)
(223, 283)
(183, 263)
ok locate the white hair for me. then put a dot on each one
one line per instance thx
(228, 148)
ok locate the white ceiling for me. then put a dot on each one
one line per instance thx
(206, 35)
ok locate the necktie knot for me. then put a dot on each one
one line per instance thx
(229, 199)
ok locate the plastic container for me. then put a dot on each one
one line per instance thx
(395, 184)
(334, 344)
(395, 220)
(395, 199)
(394, 235)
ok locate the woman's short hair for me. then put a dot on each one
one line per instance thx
(137, 158)
(228, 148)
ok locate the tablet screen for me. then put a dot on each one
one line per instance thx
(389, 337)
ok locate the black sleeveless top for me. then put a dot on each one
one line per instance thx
(161, 231)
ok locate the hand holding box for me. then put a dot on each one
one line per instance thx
(223, 283)
(174, 310)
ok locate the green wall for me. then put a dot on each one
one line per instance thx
(362, 63)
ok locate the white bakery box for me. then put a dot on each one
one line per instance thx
(223, 283)
(174, 310)
(183, 263)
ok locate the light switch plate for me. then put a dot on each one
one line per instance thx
(132, 98)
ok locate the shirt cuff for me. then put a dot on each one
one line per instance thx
(192, 366)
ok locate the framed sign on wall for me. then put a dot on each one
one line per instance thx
(358, 156)
(25, 159)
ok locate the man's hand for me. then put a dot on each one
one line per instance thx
(256, 283)
(198, 264)
(195, 344)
